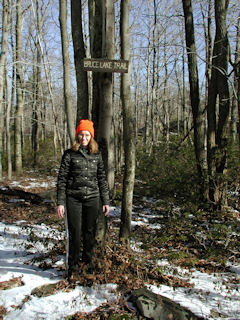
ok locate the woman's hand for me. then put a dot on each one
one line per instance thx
(60, 211)
(106, 209)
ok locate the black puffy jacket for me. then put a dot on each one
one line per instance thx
(82, 175)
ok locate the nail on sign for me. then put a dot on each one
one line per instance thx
(105, 65)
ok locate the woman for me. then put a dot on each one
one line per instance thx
(81, 184)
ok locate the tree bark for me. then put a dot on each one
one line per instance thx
(95, 31)
(3, 57)
(37, 90)
(209, 50)
(238, 94)
(165, 104)
(13, 56)
(19, 86)
(105, 122)
(198, 118)
(102, 35)
(217, 128)
(128, 129)
(66, 69)
(79, 55)
(154, 75)
(148, 102)
(102, 21)
(184, 112)
(208, 42)
(235, 97)
(8, 132)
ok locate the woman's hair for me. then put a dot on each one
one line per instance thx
(92, 146)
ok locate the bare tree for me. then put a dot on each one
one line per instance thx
(208, 41)
(7, 123)
(104, 125)
(238, 91)
(184, 112)
(3, 57)
(128, 129)
(165, 94)
(198, 118)
(218, 96)
(235, 98)
(148, 113)
(19, 85)
(96, 36)
(13, 57)
(48, 75)
(37, 88)
(154, 75)
(66, 69)
(79, 55)
(238, 94)
(102, 45)
(207, 26)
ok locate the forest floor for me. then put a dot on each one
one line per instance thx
(170, 247)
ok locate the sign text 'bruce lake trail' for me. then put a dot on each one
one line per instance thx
(105, 65)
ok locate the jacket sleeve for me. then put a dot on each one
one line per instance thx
(62, 178)
(102, 182)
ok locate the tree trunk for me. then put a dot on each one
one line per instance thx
(102, 21)
(166, 118)
(45, 61)
(217, 128)
(19, 85)
(238, 95)
(198, 118)
(95, 31)
(148, 103)
(235, 97)
(66, 69)
(37, 90)
(105, 128)
(8, 132)
(79, 55)
(153, 87)
(13, 56)
(128, 129)
(102, 35)
(3, 57)
(184, 112)
(208, 42)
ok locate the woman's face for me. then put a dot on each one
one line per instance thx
(84, 138)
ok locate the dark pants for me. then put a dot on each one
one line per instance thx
(81, 220)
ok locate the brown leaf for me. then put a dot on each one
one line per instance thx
(12, 283)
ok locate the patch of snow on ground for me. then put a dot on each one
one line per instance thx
(212, 294)
(34, 183)
(14, 263)
(62, 304)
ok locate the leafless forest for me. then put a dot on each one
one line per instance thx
(183, 81)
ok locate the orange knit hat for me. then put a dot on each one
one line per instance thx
(85, 125)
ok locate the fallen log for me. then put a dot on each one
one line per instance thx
(21, 194)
